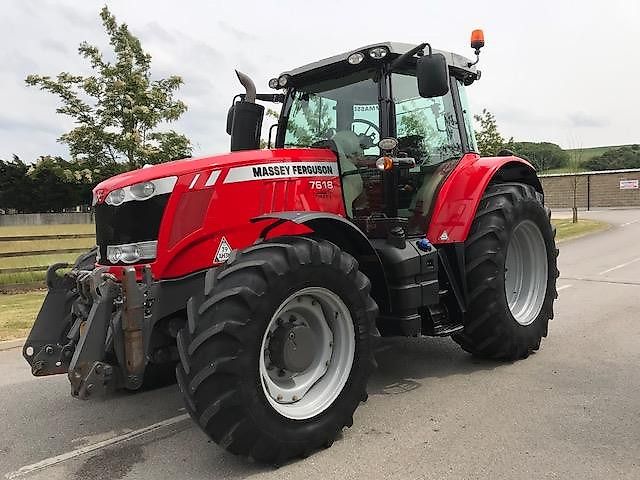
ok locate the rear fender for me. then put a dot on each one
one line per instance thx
(458, 199)
(345, 235)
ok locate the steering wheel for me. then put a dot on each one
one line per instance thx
(367, 140)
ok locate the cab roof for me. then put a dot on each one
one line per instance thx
(396, 49)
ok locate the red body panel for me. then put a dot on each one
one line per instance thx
(197, 216)
(458, 198)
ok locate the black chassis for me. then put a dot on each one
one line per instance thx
(100, 331)
(419, 291)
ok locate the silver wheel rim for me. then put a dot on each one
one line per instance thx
(306, 394)
(525, 276)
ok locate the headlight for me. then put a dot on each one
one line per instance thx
(378, 52)
(141, 191)
(116, 197)
(283, 80)
(273, 83)
(355, 58)
(132, 252)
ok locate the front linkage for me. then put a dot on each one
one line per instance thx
(92, 327)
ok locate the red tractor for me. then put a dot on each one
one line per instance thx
(267, 275)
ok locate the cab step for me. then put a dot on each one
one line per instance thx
(438, 324)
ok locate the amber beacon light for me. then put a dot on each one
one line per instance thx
(477, 40)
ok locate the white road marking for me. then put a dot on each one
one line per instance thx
(622, 265)
(630, 223)
(48, 462)
(563, 287)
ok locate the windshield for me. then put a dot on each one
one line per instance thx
(344, 110)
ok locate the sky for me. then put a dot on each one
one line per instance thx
(559, 71)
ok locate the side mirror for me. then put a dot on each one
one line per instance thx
(244, 124)
(433, 75)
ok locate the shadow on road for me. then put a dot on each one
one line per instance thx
(404, 362)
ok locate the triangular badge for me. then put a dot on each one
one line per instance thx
(223, 252)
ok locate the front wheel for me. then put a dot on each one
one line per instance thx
(277, 352)
(511, 271)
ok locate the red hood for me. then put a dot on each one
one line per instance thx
(189, 165)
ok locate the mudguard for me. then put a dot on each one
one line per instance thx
(345, 234)
(458, 199)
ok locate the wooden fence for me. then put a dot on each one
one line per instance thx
(30, 253)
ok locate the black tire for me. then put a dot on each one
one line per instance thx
(490, 330)
(220, 347)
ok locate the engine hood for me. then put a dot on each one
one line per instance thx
(190, 165)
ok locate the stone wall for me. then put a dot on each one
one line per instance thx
(593, 189)
(20, 219)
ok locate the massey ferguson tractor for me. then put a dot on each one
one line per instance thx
(268, 275)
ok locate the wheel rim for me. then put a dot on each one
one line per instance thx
(525, 278)
(325, 319)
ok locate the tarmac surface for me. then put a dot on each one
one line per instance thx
(571, 410)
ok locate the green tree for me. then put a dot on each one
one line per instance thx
(489, 139)
(119, 107)
(616, 158)
(543, 156)
(15, 185)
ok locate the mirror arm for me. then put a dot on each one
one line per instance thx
(264, 97)
(398, 62)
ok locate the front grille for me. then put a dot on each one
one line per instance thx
(130, 222)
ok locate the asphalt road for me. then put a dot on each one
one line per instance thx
(572, 410)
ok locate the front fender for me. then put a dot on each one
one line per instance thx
(344, 234)
(458, 199)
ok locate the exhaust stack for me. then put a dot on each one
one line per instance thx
(249, 86)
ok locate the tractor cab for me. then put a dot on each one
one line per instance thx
(394, 114)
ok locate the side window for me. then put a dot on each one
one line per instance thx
(468, 117)
(427, 128)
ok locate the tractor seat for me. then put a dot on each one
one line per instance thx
(349, 150)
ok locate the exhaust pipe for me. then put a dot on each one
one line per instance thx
(249, 86)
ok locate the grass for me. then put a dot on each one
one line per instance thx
(592, 152)
(566, 229)
(31, 245)
(584, 155)
(18, 313)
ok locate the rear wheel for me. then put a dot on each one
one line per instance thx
(511, 271)
(277, 352)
